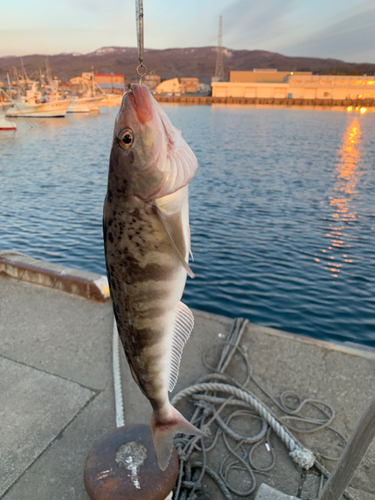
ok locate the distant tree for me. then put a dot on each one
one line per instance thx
(342, 69)
(354, 71)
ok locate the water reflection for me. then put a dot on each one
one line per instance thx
(347, 176)
(253, 210)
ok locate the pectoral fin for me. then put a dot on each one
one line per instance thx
(176, 237)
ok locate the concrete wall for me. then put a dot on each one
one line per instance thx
(311, 90)
(329, 92)
(261, 76)
(330, 80)
(109, 79)
(228, 89)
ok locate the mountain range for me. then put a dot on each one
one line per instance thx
(170, 63)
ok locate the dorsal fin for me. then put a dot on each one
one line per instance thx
(183, 326)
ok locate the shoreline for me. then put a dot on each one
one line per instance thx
(207, 100)
(94, 287)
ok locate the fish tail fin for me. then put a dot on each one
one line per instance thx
(163, 431)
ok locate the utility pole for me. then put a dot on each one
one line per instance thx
(219, 70)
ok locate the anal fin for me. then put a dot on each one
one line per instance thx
(183, 326)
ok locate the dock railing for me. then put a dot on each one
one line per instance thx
(352, 455)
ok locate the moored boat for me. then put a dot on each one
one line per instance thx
(6, 124)
(49, 109)
(111, 100)
(80, 105)
(89, 96)
(35, 105)
(94, 105)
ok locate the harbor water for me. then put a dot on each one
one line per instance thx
(282, 209)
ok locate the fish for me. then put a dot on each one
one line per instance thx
(147, 245)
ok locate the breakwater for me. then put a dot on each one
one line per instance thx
(208, 100)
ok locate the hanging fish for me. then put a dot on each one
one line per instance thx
(147, 245)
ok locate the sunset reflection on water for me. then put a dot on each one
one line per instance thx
(347, 176)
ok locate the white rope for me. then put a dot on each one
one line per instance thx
(301, 456)
(119, 403)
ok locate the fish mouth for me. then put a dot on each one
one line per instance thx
(141, 101)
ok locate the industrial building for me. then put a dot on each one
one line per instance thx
(104, 81)
(298, 85)
(151, 81)
(109, 81)
(189, 85)
(177, 86)
(331, 87)
(261, 76)
(171, 86)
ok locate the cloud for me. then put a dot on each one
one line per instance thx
(350, 39)
(255, 22)
(323, 28)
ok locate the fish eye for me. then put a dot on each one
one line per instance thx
(126, 138)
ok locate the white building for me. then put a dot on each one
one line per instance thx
(301, 86)
(172, 86)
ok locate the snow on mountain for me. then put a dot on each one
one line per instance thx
(107, 50)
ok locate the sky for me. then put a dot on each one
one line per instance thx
(340, 29)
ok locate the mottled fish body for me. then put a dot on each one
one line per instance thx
(147, 244)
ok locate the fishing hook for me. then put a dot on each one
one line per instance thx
(141, 73)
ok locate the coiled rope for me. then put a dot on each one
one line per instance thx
(305, 458)
(208, 410)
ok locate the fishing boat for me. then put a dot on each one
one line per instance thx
(85, 104)
(94, 105)
(89, 96)
(111, 100)
(80, 105)
(36, 105)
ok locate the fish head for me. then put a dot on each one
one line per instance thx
(148, 151)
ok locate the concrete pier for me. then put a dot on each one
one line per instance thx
(270, 101)
(56, 388)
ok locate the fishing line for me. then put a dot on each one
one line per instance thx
(141, 68)
(141, 71)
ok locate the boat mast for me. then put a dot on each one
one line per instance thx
(9, 85)
(49, 75)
